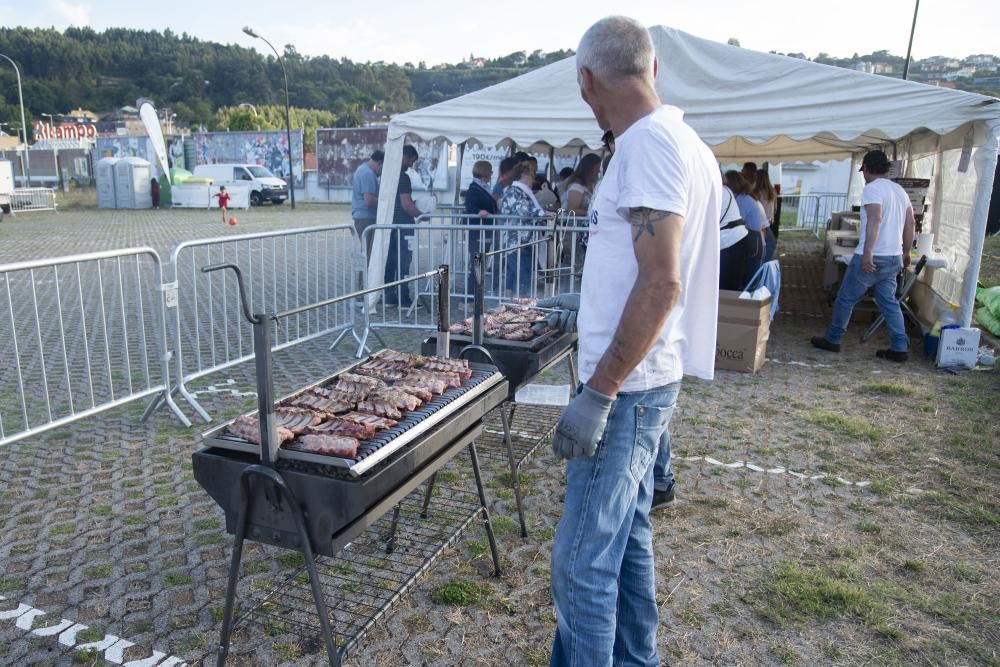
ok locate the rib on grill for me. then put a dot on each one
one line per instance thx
(332, 445)
(343, 427)
(296, 420)
(370, 382)
(321, 403)
(248, 428)
(432, 379)
(348, 392)
(397, 398)
(383, 370)
(423, 393)
(378, 423)
(459, 366)
(404, 357)
(379, 407)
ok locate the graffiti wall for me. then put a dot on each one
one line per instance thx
(140, 147)
(339, 152)
(268, 149)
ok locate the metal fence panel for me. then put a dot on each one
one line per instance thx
(79, 335)
(23, 200)
(552, 264)
(282, 270)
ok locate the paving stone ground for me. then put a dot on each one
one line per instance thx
(103, 525)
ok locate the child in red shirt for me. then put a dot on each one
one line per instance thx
(223, 198)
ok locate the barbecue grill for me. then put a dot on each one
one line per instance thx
(317, 504)
(519, 361)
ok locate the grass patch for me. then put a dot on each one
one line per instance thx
(785, 653)
(976, 516)
(206, 524)
(102, 510)
(914, 566)
(847, 426)
(793, 594)
(177, 579)
(291, 559)
(447, 476)
(285, 652)
(869, 527)
(460, 593)
(504, 525)
(477, 548)
(885, 389)
(256, 567)
(966, 572)
(89, 635)
(99, 571)
(88, 656)
(417, 624)
(10, 585)
(64, 529)
(885, 486)
(209, 539)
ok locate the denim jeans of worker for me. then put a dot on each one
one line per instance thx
(603, 580)
(853, 288)
(663, 475)
(397, 266)
(519, 271)
(770, 244)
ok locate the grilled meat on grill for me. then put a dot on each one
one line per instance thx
(424, 378)
(339, 426)
(423, 393)
(459, 366)
(348, 392)
(322, 403)
(379, 407)
(508, 322)
(296, 420)
(383, 370)
(332, 445)
(405, 358)
(399, 399)
(248, 428)
(368, 381)
(378, 423)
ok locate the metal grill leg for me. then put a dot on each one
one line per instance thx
(390, 541)
(514, 465)
(427, 495)
(486, 512)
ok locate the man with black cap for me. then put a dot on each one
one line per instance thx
(887, 228)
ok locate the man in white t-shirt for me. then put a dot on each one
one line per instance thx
(887, 228)
(647, 316)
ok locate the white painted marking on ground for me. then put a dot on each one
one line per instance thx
(798, 363)
(111, 646)
(772, 471)
(212, 389)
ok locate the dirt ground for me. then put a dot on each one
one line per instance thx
(832, 509)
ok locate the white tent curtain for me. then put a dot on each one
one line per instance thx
(755, 106)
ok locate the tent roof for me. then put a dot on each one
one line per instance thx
(743, 103)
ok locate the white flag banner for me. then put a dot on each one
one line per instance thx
(148, 115)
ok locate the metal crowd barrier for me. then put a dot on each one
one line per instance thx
(23, 200)
(80, 335)
(812, 211)
(531, 272)
(282, 269)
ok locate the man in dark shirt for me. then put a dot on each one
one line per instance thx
(397, 264)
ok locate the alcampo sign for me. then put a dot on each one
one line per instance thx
(67, 131)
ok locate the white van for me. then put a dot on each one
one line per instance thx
(264, 186)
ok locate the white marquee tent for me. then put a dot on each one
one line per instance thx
(755, 106)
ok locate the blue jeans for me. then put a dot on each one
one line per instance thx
(663, 476)
(856, 282)
(770, 243)
(520, 271)
(603, 581)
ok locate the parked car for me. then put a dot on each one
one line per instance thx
(264, 186)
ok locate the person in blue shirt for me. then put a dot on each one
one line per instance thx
(755, 220)
(364, 195)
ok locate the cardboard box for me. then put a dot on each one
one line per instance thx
(958, 347)
(741, 338)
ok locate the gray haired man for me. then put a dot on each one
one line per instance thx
(647, 316)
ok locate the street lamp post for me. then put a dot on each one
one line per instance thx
(288, 121)
(24, 125)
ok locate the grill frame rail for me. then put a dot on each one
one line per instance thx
(272, 500)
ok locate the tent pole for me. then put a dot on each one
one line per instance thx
(986, 164)
(458, 172)
(909, 47)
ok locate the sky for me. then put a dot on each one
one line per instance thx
(437, 31)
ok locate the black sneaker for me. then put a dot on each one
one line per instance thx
(823, 344)
(893, 355)
(662, 499)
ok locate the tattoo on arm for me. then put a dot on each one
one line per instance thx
(643, 219)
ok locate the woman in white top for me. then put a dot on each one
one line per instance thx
(581, 185)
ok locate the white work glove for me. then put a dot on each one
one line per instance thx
(582, 424)
(564, 317)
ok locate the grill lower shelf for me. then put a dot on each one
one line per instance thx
(518, 365)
